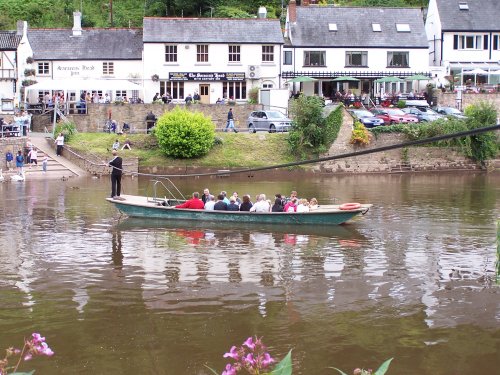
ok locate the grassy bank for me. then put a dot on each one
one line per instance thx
(236, 150)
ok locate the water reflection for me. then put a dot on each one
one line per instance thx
(415, 270)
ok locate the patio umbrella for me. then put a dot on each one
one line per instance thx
(303, 79)
(345, 79)
(388, 79)
(418, 78)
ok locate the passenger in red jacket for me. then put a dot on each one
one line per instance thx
(194, 203)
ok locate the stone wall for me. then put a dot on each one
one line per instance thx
(12, 144)
(94, 164)
(414, 159)
(448, 99)
(135, 114)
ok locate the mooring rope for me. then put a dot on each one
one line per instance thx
(319, 160)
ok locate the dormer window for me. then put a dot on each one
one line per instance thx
(463, 6)
(332, 27)
(376, 27)
(403, 27)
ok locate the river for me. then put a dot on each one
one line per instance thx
(413, 279)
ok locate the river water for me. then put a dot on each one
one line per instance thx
(413, 279)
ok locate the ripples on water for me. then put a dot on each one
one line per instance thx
(149, 297)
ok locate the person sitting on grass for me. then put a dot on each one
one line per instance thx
(127, 145)
(116, 145)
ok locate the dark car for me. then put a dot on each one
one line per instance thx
(271, 121)
(367, 118)
(423, 114)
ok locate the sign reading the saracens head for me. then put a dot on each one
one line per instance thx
(206, 76)
(78, 70)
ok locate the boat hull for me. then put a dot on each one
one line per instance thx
(142, 207)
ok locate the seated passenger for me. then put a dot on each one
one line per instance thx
(220, 205)
(303, 206)
(233, 206)
(313, 204)
(209, 204)
(246, 205)
(277, 206)
(195, 203)
(261, 205)
(291, 206)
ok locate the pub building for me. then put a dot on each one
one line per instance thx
(213, 57)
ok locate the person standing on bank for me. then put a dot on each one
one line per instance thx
(116, 175)
(60, 144)
(150, 121)
(230, 121)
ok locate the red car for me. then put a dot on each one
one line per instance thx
(393, 116)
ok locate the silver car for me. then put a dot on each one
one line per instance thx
(271, 121)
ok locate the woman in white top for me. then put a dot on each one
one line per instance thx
(33, 156)
(303, 206)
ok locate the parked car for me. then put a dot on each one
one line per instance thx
(450, 111)
(393, 116)
(367, 118)
(271, 121)
(423, 114)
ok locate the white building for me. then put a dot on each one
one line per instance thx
(9, 42)
(216, 58)
(464, 35)
(328, 42)
(76, 60)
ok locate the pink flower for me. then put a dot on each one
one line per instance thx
(233, 353)
(267, 360)
(230, 370)
(250, 360)
(28, 357)
(249, 343)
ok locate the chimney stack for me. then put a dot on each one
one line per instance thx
(77, 24)
(262, 13)
(21, 27)
(292, 11)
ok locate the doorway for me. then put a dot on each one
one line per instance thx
(205, 94)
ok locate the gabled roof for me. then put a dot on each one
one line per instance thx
(481, 15)
(9, 40)
(354, 27)
(212, 30)
(93, 44)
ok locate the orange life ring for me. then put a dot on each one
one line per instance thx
(350, 206)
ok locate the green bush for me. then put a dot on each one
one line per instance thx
(67, 129)
(253, 95)
(184, 134)
(311, 132)
(401, 103)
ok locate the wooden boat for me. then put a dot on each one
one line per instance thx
(162, 208)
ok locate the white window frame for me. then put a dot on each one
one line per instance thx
(390, 58)
(175, 89)
(475, 40)
(234, 53)
(267, 54)
(108, 68)
(403, 27)
(307, 58)
(287, 60)
(43, 68)
(171, 53)
(202, 53)
(349, 55)
(376, 27)
(236, 90)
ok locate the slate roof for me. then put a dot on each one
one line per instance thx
(93, 44)
(354, 25)
(212, 30)
(483, 15)
(9, 40)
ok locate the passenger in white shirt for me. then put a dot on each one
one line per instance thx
(210, 203)
(303, 206)
(262, 205)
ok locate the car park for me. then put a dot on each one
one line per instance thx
(271, 121)
(450, 111)
(423, 114)
(394, 116)
(367, 118)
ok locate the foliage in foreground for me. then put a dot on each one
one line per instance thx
(478, 147)
(380, 371)
(184, 134)
(68, 129)
(360, 135)
(35, 346)
(312, 133)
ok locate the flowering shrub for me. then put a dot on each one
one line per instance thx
(360, 134)
(252, 358)
(36, 346)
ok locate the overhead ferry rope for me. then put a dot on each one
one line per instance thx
(327, 158)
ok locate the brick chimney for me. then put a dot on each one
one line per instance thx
(292, 11)
(77, 24)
